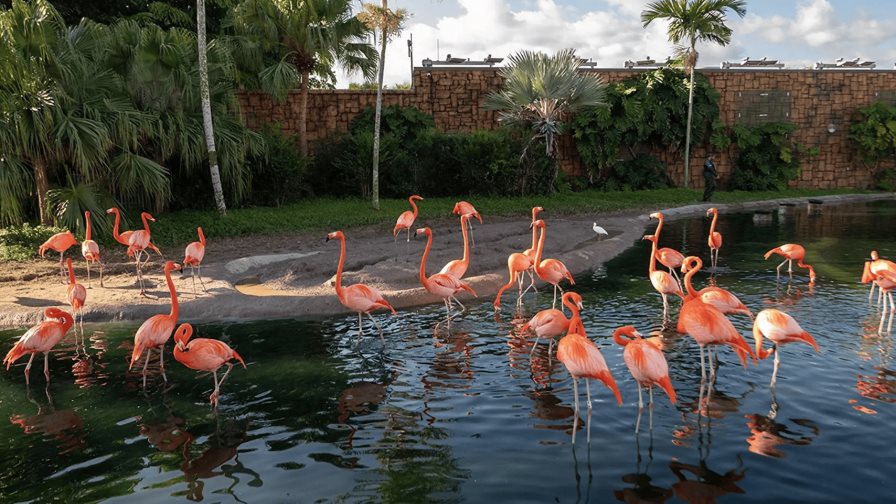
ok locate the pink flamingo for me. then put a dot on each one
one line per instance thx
(533, 248)
(443, 285)
(668, 257)
(407, 218)
(90, 250)
(517, 264)
(203, 354)
(647, 364)
(358, 297)
(41, 339)
(156, 330)
(582, 358)
(464, 208)
(59, 242)
(458, 267)
(123, 237)
(715, 238)
(872, 268)
(138, 241)
(552, 323)
(663, 282)
(193, 255)
(76, 295)
(723, 300)
(551, 271)
(886, 281)
(791, 252)
(780, 328)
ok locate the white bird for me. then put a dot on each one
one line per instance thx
(600, 231)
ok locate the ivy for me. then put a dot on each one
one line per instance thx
(873, 134)
(766, 159)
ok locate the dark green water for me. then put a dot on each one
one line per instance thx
(469, 417)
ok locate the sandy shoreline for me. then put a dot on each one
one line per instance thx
(293, 274)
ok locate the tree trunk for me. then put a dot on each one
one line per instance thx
(303, 114)
(43, 185)
(207, 109)
(687, 133)
(375, 185)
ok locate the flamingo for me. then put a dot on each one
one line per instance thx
(123, 237)
(358, 297)
(464, 208)
(582, 359)
(203, 354)
(780, 328)
(407, 218)
(723, 300)
(668, 257)
(138, 241)
(662, 281)
(517, 264)
(76, 295)
(552, 323)
(90, 250)
(647, 364)
(715, 238)
(873, 267)
(886, 281)
(441, 284)
(59, 242)
(41, 339)
(551, 271)
(193, 255)
(707, 325)
(458, 267)
(156, 330)
(532, 249)
(791, 252)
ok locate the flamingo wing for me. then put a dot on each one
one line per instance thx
(405, 220)
(583, 359)
(664, 283)
(548, 323)
(194, 253)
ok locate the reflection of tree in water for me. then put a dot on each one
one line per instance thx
(63, 426)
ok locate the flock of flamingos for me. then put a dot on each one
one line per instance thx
(702, 315)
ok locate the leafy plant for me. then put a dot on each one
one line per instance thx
(641, 172)
(766, 157)
(19, 243)
(278, 176)
(873, 134)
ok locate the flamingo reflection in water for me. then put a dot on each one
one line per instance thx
(642, 490)
(65, 426)
(358, 399)
(707, 486)
(766, 433)
(220, 451)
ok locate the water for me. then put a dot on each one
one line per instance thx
(469, 417)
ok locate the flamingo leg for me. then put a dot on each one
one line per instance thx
(61, 268)
(162, 360)
(883, 314)
(146, 363)
(47, 366)
(775, 369)
(472, 238)
(702, 366)
(640, 410)
(588, 423)
(360, 328)
(193, 278)
(213, 397)
(554, 303)
(534, 345)
(102, 267)
(377, 324)
(650, 407)
(199, 274)
(575, 418)
(28, 370)
(88, 275)
(665, 305)
(871, 293)
(462, 307)
(892, 309)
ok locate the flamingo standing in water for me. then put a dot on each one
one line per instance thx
(407, 218)
(791, 252)
(886, 281)
(76, 295)
(358, 297)
(663, 282)
(193, 255)
(551, 271)
(707, 325)
(59, 242)
(441, 284)
(123, 237)
(647, 364)
(533, 248)
(552, 323)
(458, 267)
(156, 330)
(463, 208)
(90, 250)
(780, 328)
(668, 257)
(715, 238)
(517, 264)
(203, 354)
(138, 241)
(723, 300)
(582, 358)
(874, 267)
(41, 339)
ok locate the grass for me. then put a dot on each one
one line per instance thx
(324, 215)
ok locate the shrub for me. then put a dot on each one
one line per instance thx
(19, 243)
(641, 172)
(766, 157)
(278, 177)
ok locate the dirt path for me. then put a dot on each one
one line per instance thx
(298, 281)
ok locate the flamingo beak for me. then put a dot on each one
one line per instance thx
(579, 305)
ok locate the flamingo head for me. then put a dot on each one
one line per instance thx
(416, 197)
(182, 336)
(656, 215)
(87, 214)
(335, 235)
(171, 265)
(651, 238)
(573, 298)
(537, 224)
(423, 231)
(712, 211)
(690, 263)
(874, 255)
(147, 216)
(460, 207)
(536, 211)
(55, 313)
(112, 210)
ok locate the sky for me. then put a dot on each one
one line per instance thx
(797, 33)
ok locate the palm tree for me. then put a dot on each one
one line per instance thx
(544, 92)
(285, 42)
(389, 24)
(207, 108)
(691, 21)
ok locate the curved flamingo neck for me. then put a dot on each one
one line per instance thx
(339, 268)
(423, 278)
(115, 233)
(463, 230)
(540, 249)
(659, 227)
(618, 336)
(688, 283)
(67, 322)
(712, 227)
(174, 305)
(807, 266)
(652, 266)
(201, 236)
(145, 223)
(414, 206)
(71, 273)
(87, 233)
(534, 230)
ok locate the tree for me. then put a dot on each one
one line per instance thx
(543, 92)
(389, 24)
(280, 44)
(207, 109)
(691, 21)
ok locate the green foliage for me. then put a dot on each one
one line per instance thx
(641, 172)
(873, 134)
(885, 180)
(19, 243)
(278, 176)
(766, 157)
(646, 112)
(406, 123)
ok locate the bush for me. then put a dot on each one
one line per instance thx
(278, 177)
(20, 243)
(766, 157)
(641, 172)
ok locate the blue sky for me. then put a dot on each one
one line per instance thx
(798, 33)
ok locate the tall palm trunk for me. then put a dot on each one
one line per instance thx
(687, 133)
(43, 185)
(375, 185)
(207, 109)
(303, 114)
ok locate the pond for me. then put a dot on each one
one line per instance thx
(468, 416)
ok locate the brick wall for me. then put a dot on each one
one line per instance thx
(454, 97)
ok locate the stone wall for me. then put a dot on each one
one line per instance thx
(813, 99)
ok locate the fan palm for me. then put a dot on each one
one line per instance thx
(692, 21)
(543, 92)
